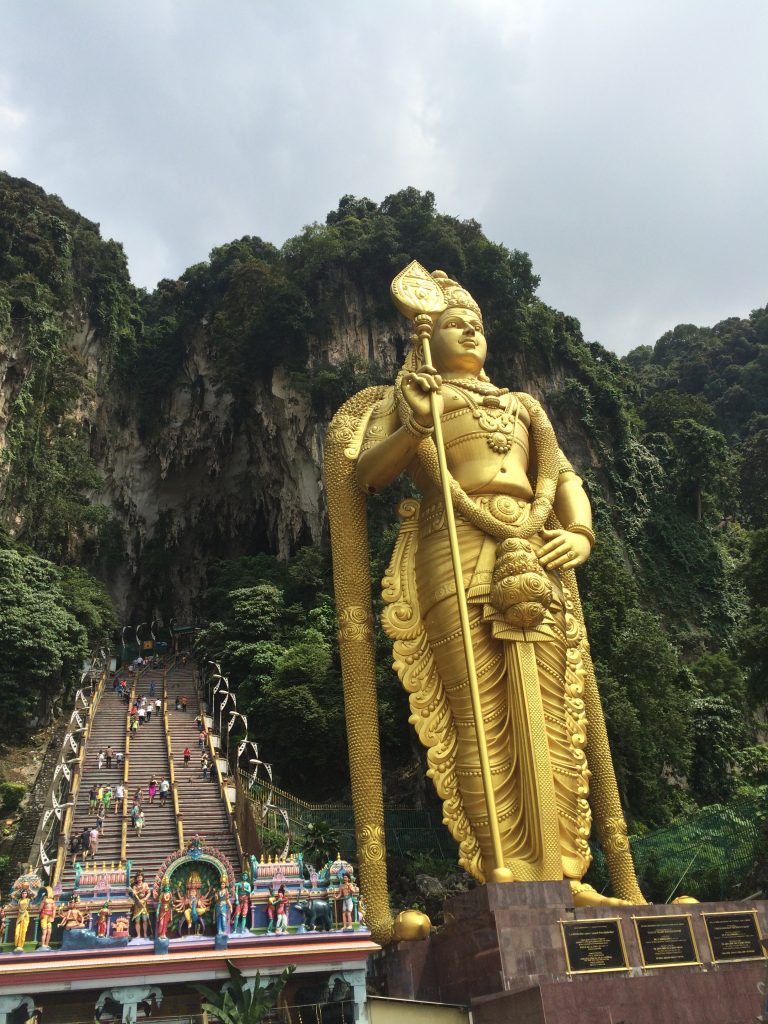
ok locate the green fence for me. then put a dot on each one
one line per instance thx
(708, 854)
(409, 831)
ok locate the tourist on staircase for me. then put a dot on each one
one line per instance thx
(203, 809)
(102, 772)
(154, 834)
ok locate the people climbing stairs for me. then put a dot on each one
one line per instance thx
(95, 832)
(151, 828)
(124, 807)
(203, 807)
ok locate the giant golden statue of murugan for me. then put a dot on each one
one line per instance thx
(482, 604)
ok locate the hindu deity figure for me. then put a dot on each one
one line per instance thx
(192, 904)
(102, 921)
(243, 896)
(482, 604)
(73, 916)
(47, 916)
(223, 907)
(347, 892)
(281, 910)
(139, 893)
(24, 899)
(272, 899)
(164, 910)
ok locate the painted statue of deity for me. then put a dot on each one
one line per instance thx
(47, 916)
(243, 903)
(102, 921)
(192, 905)
(482, 605)
(223, 908)
(281, 910)
(139, 893)
(73, 916)
(347, 892)
(23, 901)
(164, 909)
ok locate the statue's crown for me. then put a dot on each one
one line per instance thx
(415, 291)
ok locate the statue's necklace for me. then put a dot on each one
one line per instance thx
(498, 422)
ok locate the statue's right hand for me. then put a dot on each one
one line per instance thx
(417, 387)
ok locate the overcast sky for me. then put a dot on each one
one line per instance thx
(622, 143)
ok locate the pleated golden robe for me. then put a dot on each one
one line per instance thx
(531, 687)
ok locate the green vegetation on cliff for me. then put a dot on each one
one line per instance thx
(58, 281)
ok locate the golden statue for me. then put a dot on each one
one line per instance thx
(482, 604)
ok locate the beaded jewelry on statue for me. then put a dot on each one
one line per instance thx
(497, 421)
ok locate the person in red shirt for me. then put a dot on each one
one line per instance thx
(187, 756)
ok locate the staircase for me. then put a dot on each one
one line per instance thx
(107, 729)
(202, 806)
(148, 757)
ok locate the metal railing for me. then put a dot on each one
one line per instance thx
(126, 769)
(215, 766)
(171, 766)
(75, 777)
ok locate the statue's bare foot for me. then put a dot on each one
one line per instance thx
(585, 896)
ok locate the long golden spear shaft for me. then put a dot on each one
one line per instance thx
(500, 873)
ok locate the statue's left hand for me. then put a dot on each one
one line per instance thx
(563, 550)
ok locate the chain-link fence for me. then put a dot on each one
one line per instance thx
(709, 854)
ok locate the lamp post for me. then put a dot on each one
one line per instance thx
(123, 644)
(214, 675)
(223, 700)
(233, 716)
(138, 637)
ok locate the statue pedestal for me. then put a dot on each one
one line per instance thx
(502, 952)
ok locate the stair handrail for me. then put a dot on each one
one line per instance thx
(223, 789)
(225, 797)
(74, 785)
(171, 767)
(126, 767)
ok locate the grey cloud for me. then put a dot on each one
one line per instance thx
(622, 145)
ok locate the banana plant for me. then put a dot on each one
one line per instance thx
(243, 1000)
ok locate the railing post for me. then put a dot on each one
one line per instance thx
(171, 767)
(126, 772)
(225, 797)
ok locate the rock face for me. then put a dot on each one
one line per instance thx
(213, 480)
(229, 459)
(207, 485)
(217, 476)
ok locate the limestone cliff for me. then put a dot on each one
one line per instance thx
(148, 434)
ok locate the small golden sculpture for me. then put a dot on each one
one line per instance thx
(484, 611)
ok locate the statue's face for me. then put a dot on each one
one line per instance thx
(458, 342)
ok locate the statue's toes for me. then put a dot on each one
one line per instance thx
(585, 896)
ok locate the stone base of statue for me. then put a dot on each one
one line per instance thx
(162, 944)
(522, 952)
